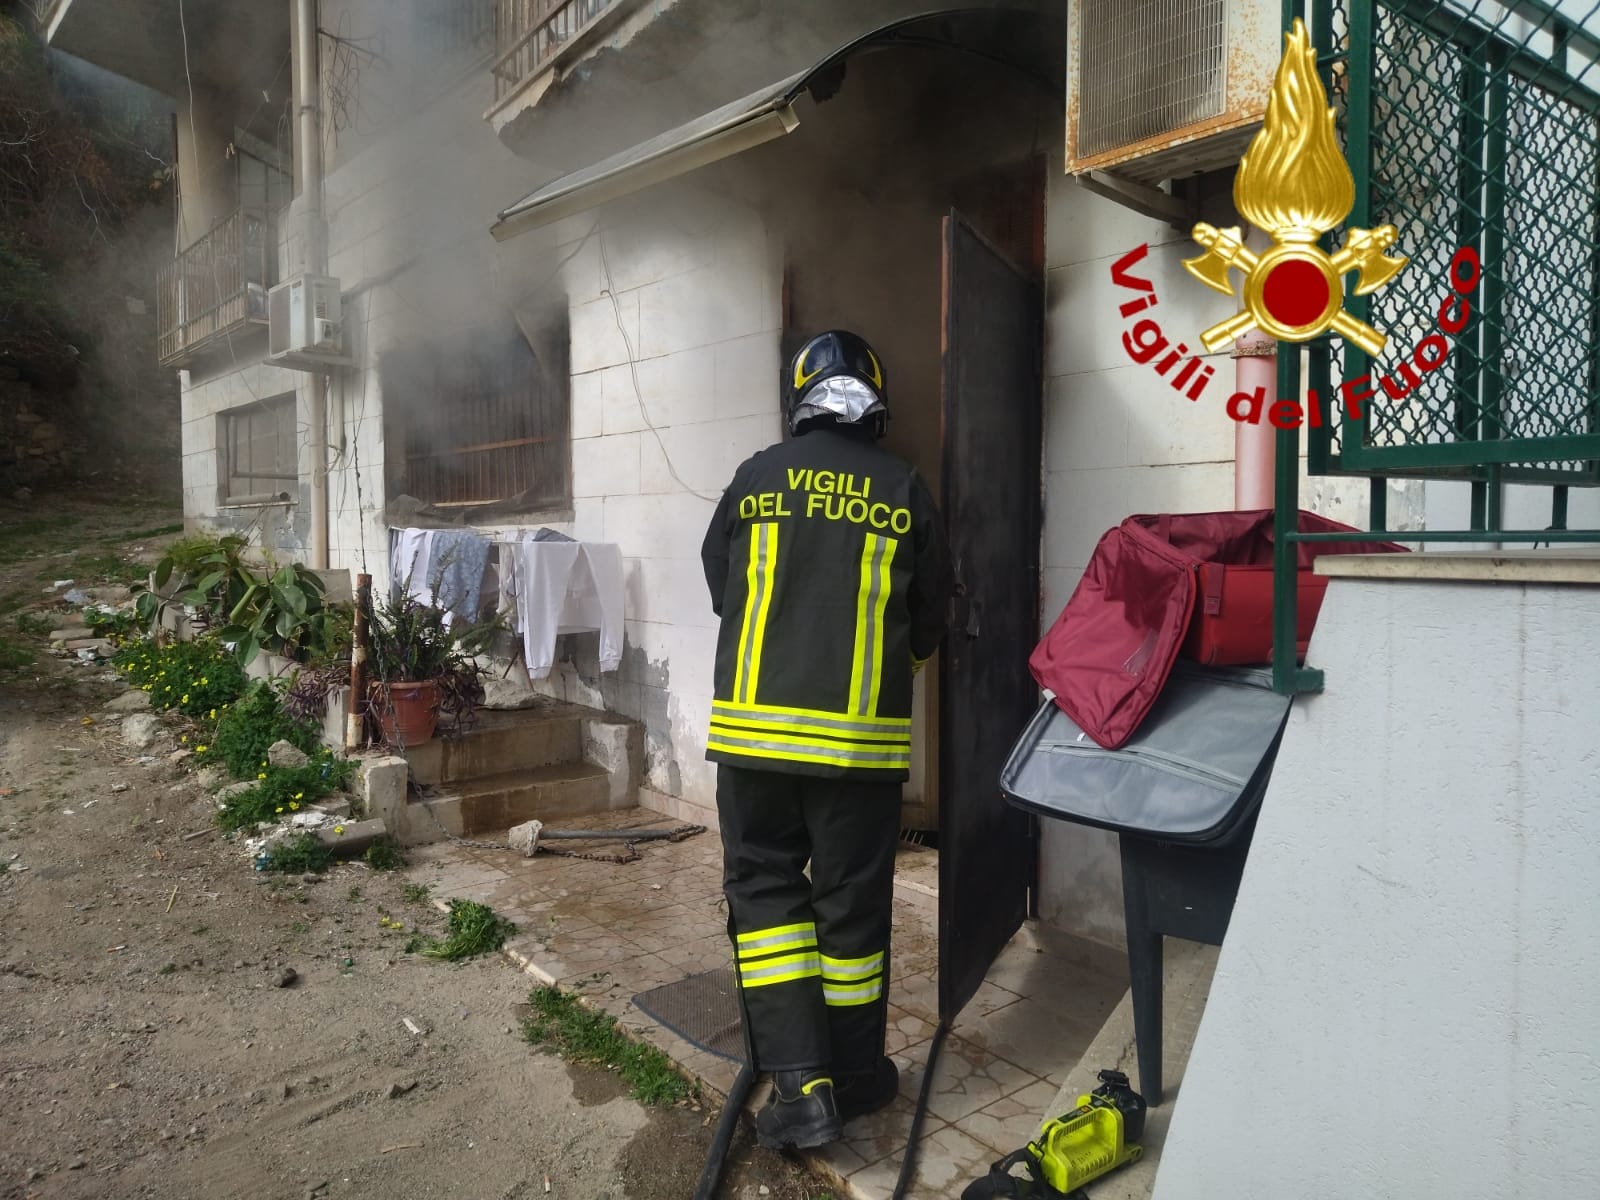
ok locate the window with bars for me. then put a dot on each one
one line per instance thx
(480, 419)
(259, 460)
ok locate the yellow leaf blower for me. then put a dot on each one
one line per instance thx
(1098, 1136)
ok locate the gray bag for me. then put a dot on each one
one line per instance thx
(1194, 772)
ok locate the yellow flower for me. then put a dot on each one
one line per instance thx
(185, 699)
(294, 805)
(339, 829)
(200, 749)
(147, 687)
(204, 680)
(183, 737)
(299, 795)
(261, 774)
(280, 808)
(213, 714)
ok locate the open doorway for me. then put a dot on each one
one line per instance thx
(861, 197)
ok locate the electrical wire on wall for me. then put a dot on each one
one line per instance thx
(633, 372)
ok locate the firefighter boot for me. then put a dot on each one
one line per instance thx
(800, 1112)
(863, 1092)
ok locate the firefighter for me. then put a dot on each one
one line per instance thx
(828, 568)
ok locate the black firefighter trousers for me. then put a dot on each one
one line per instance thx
(812, 955)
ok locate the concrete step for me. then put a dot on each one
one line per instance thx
(497, 802)
(501, 742)
(1187, 968)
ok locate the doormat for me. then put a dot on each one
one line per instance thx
(702, 1009)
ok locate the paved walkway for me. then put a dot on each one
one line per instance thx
(610, 931)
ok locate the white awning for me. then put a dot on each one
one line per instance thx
(757, 118)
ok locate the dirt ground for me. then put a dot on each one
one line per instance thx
(146, 1049)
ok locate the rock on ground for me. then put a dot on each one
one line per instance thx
(140, 729)
(283, 754)
(130, 702)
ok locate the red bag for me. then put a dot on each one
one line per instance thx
(1108, 654)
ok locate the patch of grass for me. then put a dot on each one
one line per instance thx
(299, 927)
(385, 855)
(31, 535)
(158, 531)
(355, 894)
(305, 853)
(169, 969)
(107, 566)
(416, 893)
(35, 624)
(14, 657)
(472, 929)
(561, 1023)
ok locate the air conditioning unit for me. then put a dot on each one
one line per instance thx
(1161, 89)
(303, 324)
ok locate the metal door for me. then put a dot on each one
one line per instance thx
(992, 347)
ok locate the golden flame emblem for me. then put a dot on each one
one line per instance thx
(1293, 184)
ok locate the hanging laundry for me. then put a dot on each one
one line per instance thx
(456, 565)
(409, 554)
(557, 587)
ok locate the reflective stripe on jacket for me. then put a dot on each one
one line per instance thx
(827, 565)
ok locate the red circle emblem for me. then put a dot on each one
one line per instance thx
(1295, 293)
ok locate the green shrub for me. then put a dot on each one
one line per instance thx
(305, 853)
(473, 929)
(385, 855)
(197, 678)
(248, 727)
(280, 792)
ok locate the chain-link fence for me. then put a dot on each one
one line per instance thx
(1470, 123)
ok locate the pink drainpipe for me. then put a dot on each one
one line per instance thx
(1255, 360)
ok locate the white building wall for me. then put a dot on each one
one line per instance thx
(1118, 440)
(674, 384)
(1407, 1000)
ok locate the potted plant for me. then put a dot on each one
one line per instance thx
(421, 666)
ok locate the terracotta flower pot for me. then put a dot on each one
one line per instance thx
(407, 712)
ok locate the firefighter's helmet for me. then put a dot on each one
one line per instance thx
(836, 377)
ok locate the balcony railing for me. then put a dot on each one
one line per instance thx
(218, 286)
(529, 34)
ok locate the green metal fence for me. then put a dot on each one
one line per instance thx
(1476, 124)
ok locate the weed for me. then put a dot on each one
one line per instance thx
(23, 538)
(108, 566)
(385, 855)
(560, 1022)
(299, 927)
(169, 969)
(198, 930)
(355, 894)
(416, 893)
(14, 657)
(305, 853)
(248, 726)
(35, 624)
(120, 623)
(196, 678)
(473, 929)
(282, 791)
(158, 531)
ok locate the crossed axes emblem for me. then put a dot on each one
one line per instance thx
(1294, 291)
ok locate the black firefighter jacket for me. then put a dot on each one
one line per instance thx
(827, 564)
